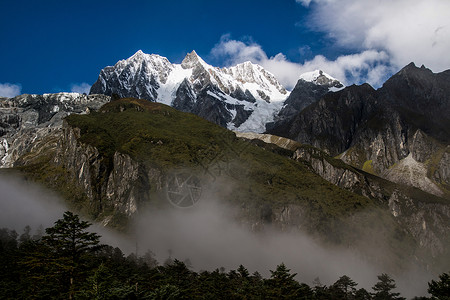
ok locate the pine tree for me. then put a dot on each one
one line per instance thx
(344, 288)
(282, 284)
(382, 289)
(25, 236)
(440, 289)
(362, 294)
(68, 240)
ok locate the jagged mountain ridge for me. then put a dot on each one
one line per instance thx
(26, 119)
(226, 96)
(244, 97)
(376, 129)
(310, 88)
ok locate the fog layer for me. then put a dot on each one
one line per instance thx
(210, 237)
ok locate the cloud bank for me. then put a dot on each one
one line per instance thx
(407, 30)
(10, 90)
(210, 236)
(368, 66)
(80, 88)
(383, 36)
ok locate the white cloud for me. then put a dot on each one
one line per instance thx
(232, 51)
(368, 66)
(80, 88)
(407, 30)
(304, 2)
(10, 90)
(384, 36)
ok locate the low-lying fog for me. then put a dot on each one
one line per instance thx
(210, 238)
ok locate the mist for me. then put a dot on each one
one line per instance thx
(24, 203)
(210, 237)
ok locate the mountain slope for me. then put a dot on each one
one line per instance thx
(243, 97)
(310, 88)
(410, 206)
(127, 157)
(376, 129)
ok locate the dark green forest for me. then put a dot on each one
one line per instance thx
(67, 261)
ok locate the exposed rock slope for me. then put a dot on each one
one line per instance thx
(27, 118)
(424, 216)
(376, 129)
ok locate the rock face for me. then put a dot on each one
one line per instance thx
(118, 185)
(243, 97)
(376, 129)
(427, 221)
(411, 172)
(424, 216)
(310, 88)
(105, 188)
(26, 119)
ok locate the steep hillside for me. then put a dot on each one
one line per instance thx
(425, 216)
(375, 130)
(156, 141)
(135, 154)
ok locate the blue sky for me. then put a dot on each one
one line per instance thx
(53, 46)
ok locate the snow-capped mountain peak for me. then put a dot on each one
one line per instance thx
(321, 78)
(192, 60)
(247, 72)
(231, 96)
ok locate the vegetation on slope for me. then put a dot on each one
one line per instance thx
(162, 137)
(263, 184)
(68, 262)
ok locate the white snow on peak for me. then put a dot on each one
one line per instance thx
(62, 95)
(313, 75)
(321, 78)
(152, 64)
(66, 97)
(193, 60)
(262, 114)
(167, 91)
(262, 84)
(246, 77)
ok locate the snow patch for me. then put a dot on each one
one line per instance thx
(312, 76)
(263, 114)
(167, 92)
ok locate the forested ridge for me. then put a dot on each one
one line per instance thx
(68, 262)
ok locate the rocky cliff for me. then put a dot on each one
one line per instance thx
(405, 123)
(26, 119)
(310, 88)
(424, 216)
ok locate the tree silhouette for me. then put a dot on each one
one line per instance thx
(440, 289)
(383, 288)
(344, 288)
(68, 240)
(282, 284)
